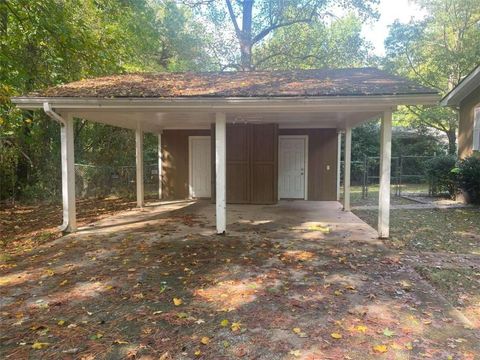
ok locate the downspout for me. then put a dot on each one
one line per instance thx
(58, 118)
(52, 114)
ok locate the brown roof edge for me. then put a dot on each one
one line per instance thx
(293, 83)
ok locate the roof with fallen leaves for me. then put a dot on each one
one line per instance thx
(321, 82)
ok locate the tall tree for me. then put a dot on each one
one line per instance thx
(49, 42)
(253, 21)
(315, 45)
(438, 52)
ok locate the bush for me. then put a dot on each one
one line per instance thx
(440, 175)
(468, 178)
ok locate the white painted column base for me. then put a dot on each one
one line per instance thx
(347, 167)
(68, 176)
(139, 166)
(220, 172)
(160, 167)
(385, 170)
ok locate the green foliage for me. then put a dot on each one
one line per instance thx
(49, 42)
(315, 45)
(437, 52)
(240, 29)
(440, 175)
(468, 174)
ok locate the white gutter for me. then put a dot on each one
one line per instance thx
(463, 89)
(52, 114)
(227, 103)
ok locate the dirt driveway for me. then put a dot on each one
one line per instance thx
(284, 283)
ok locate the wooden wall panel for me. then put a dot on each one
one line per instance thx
(264, 152)
(251, 163)
(175, 162)
(238, 164)
(466, 123)
(322, 153)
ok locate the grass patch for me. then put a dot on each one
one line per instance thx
(459, 286)
(442, 230)
(372, 197)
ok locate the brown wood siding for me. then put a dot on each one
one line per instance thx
(264, 175)
(322, 152)
(251, 163)
(466, 120)
(238, 164)
(175, 162)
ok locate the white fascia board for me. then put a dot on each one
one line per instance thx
(215, 104)
(463, 89)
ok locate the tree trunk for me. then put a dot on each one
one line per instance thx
(245, 39)
(452, 141)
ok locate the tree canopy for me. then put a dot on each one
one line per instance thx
(242, 26)
(438, 52)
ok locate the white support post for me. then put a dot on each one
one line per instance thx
(346, 176)
(339, 163)
(139, 164)
(160, 167)
(220, 171)
(68, 175)
(385, 164)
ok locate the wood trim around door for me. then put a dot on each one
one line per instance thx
(305, 174)
(190, 163)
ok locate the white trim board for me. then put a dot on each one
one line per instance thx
(190, 164)
(305, 166)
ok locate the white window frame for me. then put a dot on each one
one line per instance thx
(476, 129)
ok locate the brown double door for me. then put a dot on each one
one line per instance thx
(252, 151)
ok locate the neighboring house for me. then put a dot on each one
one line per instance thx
(465, 97)
(238, 137)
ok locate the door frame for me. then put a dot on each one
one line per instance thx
(305, 166)
(190, 163)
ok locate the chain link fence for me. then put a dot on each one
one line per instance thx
(408, 175)
(103, 181)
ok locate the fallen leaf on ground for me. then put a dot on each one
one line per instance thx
(120, 342)
(361, 328)
(387, 332)
(39, 345)
(205, 340)
(380, 348)
(235, 326)
(295, 353)
(336, 335)
(177, 301)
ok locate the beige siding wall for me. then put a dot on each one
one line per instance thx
(175, 162)
(465, 129)
(322, 153)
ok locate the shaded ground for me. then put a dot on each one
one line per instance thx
(25, 226)
(161, 285)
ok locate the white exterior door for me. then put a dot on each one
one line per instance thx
(200, 166)
(291, 167)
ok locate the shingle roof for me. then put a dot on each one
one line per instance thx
(322, 82)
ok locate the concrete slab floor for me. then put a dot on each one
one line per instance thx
(320, 220)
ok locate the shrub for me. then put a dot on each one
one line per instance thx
(440, 175)
(468, 178)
